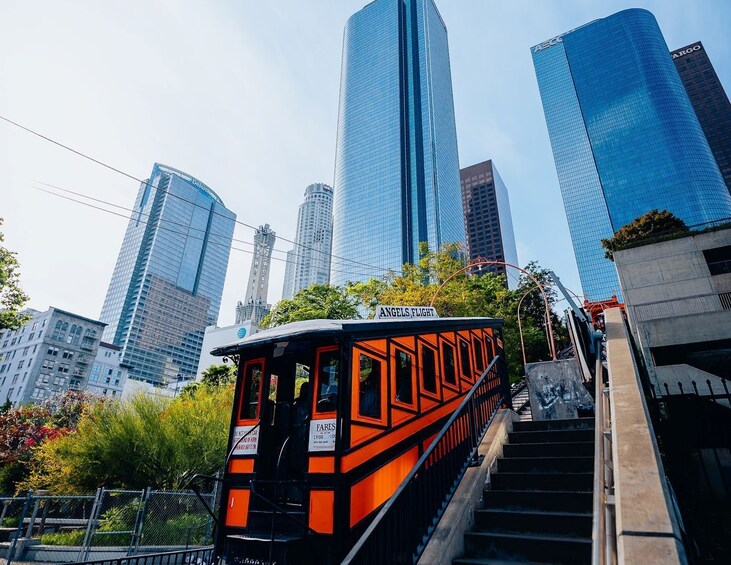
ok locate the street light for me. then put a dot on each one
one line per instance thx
(479, 262)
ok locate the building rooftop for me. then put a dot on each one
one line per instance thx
(333, 327)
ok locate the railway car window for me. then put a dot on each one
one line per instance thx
(369, 403)
(404, 385)
(328, 371)
(488, 347)
(251, 391)
(450, 373)
(464, 353)
(479, 361)
(429, 369)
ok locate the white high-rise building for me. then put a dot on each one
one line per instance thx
(309, 262)
(255, 307)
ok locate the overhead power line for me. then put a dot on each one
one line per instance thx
(184, 234)
(147, 183)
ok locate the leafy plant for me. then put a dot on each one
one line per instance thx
(320, 301)
(146, 441)
(12, 297)
(651, 227)
(72, 538)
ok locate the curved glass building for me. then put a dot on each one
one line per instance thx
(625, 137)
(396, 168)
(168, 280)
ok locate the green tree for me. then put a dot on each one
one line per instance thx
(213, 377)
(12, 297)
(320, 301)
(653, 226)
(146, 441)
(219, 375)
(468, 295)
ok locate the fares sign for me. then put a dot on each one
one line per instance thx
(405, 312)
(322, 435)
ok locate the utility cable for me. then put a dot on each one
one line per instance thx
(184, 234)
(147, 183)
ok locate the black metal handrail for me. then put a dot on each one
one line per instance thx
(199, 556)
(400, 531)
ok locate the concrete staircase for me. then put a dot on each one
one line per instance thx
(538, 507)
(521, 401)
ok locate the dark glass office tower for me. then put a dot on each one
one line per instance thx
(487, 219)
(168, 280)
(396, 167)
(625, 137)
(709, 100)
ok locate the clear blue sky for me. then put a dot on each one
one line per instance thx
(244, 96)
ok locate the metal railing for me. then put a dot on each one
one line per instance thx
(400, 531)
(604, 534)
(695, 428)
(198, 556)
(111, 524)
(699, 304)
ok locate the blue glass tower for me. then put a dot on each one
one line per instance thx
(625, 137)
(396, 169)
(168, 280)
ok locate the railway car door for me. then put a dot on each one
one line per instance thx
(285, 414)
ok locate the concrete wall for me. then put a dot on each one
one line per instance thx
(646, 528)
(672, 298)
(670, 295)
(556, 390)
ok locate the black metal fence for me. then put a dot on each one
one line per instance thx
(198, 556)
(111, 524)
(695, 433)
(400, 531)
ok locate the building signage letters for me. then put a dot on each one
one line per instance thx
(322, 435)
(546, 44)
(406, 312)
(250, 444)
(687, 51)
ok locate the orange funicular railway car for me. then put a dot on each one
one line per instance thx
(329, 417)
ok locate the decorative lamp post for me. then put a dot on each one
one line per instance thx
(479, 262)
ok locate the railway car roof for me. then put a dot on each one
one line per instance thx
(322, 328)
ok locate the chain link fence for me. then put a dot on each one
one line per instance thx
(106, 525)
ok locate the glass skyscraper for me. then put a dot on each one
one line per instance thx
(625, 137)
(396, 168)
(709, 100)
(168, 280)
(488, 221)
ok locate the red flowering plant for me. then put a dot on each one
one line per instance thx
(25, 428)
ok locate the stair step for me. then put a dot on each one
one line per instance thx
(543, 425)
(576, 524)
(556, 449)
(543, 436)
(538, 548)
(583, 482)
(258, 548)
(485, 561)
(545, 464)
(261, 521)
(547, 501)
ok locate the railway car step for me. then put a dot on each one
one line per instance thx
(287, 550)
